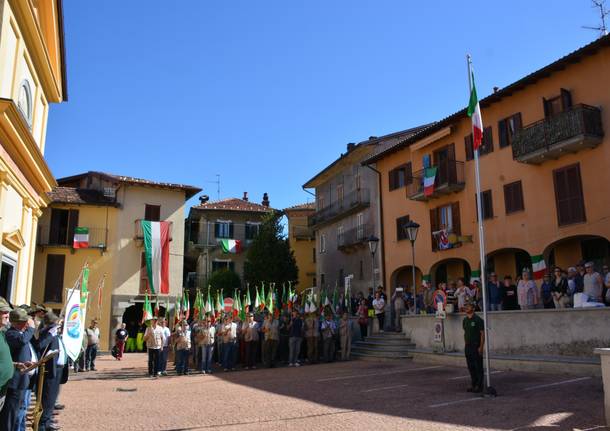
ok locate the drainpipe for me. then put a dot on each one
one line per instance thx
(381, 231)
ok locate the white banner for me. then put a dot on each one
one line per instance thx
(74, 324)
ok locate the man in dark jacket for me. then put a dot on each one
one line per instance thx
(18, 337)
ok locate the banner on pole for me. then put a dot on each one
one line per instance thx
(74, 324)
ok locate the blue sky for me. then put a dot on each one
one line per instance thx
(267, 93)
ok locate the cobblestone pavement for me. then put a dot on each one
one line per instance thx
(356, 395)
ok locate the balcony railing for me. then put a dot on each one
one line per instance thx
(449, 179)
(139, 235)
(62, 237)
(302, 233)
(354, 238)
(352, 202)
(566, 132)
(200, 243)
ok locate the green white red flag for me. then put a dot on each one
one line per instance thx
(186, 306)
(474, 112)
(429, 178)
(156, 250)
(81, 237)
(147, 313)
(232, 246)
(538, 266)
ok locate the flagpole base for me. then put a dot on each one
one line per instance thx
(489, 392)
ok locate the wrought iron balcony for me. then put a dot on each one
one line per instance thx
(302, 233)
(61, 236)
(449, 179)
(570, 131)
(352, 202)
(354, 238)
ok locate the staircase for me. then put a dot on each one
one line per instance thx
(387, 345)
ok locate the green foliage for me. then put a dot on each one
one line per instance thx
(226, 280)
(269, 256)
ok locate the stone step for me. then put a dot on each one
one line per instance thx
(400, 341)
(382, 345)
(387, 349)
(379, 355)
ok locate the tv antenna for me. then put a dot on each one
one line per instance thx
(603, 12)
(217, 182)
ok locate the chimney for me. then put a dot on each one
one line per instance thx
(204, 199)
(350, 146)
(265, 201)
(372, 138)
(245, 198)
(496, 89)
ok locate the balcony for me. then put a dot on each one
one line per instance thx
(199, 244)
(61, 237)
(351, 203)
(139, 235)
(449, 179)
(355, 238)
(578, 128)
(302, 233)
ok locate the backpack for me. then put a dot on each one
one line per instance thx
(114, 352)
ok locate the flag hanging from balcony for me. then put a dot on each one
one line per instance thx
(232, 246)
(81, 237)
(156, 248)
(429, 177)
(474, 112)
(538, 266)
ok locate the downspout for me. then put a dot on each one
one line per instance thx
(381, 231)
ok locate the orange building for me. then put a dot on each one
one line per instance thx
(544, 172)
(303, 243)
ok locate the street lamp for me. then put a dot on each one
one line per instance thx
(373, 244)
(410, 230)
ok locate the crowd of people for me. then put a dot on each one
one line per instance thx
(27, 335)
(293, 338)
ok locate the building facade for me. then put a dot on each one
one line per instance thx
(302, 241)
(32, 75)
(111, 208)
(210, 223)
(543, 170)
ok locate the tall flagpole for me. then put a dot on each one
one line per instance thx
(481, 238)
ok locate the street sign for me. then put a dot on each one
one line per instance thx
(228, 304)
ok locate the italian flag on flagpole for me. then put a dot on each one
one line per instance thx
(147, 313)
(538, 266)
(156, 249)
(429, 177)
(81, 237)
(474, 112)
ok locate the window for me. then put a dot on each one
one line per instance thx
(313, 254)
(400, 176)
(322, 243)
(7, 277)
(152, 212)
(63, 224)
(513, 197)
(54, 278)
(568, 195)
(445, 218)
(223, 229)
(144, 288)
(557, 104)
(321, 202)
(222, 265)
(252, 230)
(340, 236)
(24, 101)
(507, 128)
(357, 180)
(487, 205)
(487, 145)
(340, 194)
(360, 232)
(400, 224)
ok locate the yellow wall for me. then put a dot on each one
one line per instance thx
(302, 248)
(534, 229)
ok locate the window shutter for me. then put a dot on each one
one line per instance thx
(72, 225)
(231, 231)
(216, 230)
(502, 133)
(55, 225)
(545, 105)
(517, 121)
(488, 144)
(468, 147)
(455, 215)
(391, 180)
(576, 201)
(488, 209)
(409, 173)
(566, 99)
(54, 278)
(434, 227)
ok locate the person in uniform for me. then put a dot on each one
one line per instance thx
(249, 331)
(229, 345)
(154, 338)
(474, 341)
(312, 331)
(271, 331)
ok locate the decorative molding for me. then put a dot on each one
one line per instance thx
(13, 240)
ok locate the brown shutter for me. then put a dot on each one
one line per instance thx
(568, 195)
(455, 215)
(518, 197)
(517, 121)
(502, 133)
(488, 144)
(409, 173)
(451, 152)
(566, 99)
(468, 147)
(391, 179)
(54, 278)
(72, 225)
(54, 230)
(434, 227)
(545, 106)
(488, 209)
(509, 205)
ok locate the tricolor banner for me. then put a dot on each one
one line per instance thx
(81, 237)
(538, 266)
(429, 177)
(232, 246)
(156, 248)
(474, 112)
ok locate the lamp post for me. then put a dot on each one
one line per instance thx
(373, 243)
(410, 230)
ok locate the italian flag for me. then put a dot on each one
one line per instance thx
(474, 112)
(429, 177)
(186, 305)
(156, 248)
(538, 266)
(232, 246)
(81, 237)
(147, 313)
(475, 275)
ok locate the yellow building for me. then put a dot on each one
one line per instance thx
(303, 243)
(111, 207)
(32, 75)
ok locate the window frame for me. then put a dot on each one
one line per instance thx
(510, 191)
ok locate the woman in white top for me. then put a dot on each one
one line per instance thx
(460, 294)
(379, 306)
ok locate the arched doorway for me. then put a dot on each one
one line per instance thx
(570, 251)
(403, 276)
(132, 317)
(508, 261)
(449, 270)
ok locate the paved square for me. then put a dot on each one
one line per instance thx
(355, 395)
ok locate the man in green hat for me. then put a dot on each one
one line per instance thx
(6, 361)
(474, 340)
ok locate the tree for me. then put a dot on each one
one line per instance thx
(224, 279)
(269, 257)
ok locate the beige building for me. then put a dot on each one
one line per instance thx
(302, 240)
(32, 75)
(110, 207)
